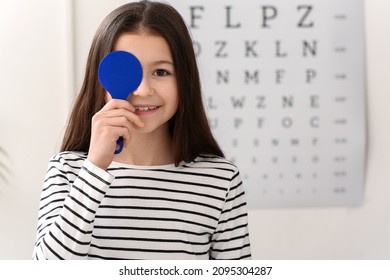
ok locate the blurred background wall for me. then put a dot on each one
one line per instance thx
(39, 71)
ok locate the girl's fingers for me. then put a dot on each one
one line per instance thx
(130, 116)
(118, 104)
(114, 126)
(116, 108)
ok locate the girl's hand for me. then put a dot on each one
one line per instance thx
(116, 119)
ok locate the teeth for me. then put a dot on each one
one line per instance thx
(144, 109)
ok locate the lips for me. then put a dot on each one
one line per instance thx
(145, 108)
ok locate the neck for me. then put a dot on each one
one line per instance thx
(148, 149)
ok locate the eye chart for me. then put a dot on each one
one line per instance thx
(284, 86)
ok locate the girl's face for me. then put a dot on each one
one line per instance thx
(157, 98)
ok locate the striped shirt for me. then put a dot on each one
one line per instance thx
(196, 210)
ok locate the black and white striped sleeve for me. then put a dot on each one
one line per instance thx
(231, 238)
(71, 194)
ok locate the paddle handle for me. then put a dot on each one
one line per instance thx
(119, 142)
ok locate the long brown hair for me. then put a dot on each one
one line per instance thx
(189, 127)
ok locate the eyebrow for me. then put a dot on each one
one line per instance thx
(159, 62)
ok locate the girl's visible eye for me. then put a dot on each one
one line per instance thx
(161, 72)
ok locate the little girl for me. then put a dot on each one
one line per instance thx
(169, 194)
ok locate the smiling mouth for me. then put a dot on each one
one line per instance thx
(146, 109)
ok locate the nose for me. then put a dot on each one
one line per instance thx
(144, 88)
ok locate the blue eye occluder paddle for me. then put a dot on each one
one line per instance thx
(120, 73)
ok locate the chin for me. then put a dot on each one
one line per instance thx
(146, 129)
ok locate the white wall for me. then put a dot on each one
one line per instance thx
(33, 109)
(37, 81)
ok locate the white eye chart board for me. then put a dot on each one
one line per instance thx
(284, 86)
